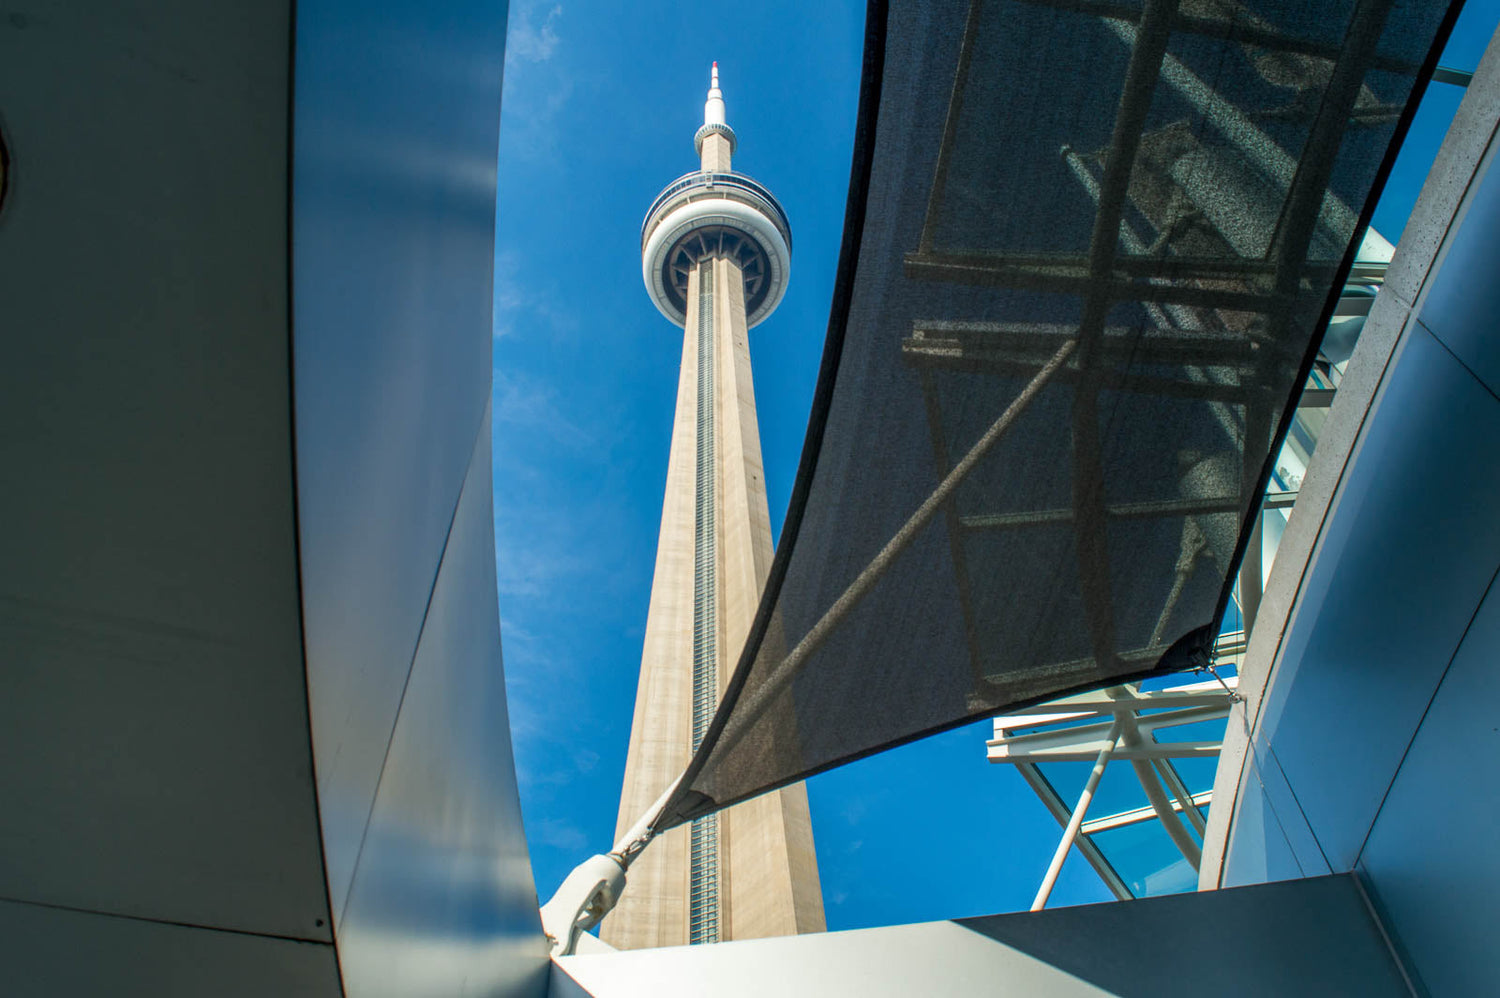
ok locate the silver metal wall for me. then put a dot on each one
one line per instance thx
(174, 259)
(396, 112)
(1375, 749)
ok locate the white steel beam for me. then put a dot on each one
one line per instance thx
(1007, 747)
(1139, 815)
(1083, 751)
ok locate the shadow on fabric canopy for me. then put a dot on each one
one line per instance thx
(1088, 251)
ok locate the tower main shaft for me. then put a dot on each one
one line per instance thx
(716, 256)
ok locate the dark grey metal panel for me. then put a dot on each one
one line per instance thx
(1400, 569)
(1431, 855)
(443, 902)
(54, 952)
(1462, 307)
(1307, 937)
(397, 124)
(154, 757)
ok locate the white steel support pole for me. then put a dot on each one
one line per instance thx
(1251, 575)
(1170, 822)
(1070, 834)
(1175, 786)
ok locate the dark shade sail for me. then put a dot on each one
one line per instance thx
(1088, 250)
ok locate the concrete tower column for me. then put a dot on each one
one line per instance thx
(716, 255)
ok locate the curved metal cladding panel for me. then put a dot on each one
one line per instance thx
(442, 901)
(1082, 304)
(1375, 748)
(397, 111)
(157, 807)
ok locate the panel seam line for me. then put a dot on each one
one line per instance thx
(176, 923)
(412, 662)
(1431, 699)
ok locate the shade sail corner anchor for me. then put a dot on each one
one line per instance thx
(593, 888)
(1206, 664)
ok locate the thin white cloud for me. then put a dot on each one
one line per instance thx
(537, 87)
(528, 38)
(532, 405)
(528, 305)
(510, 293)
(561, 834)
(524, 572)
(542, 732)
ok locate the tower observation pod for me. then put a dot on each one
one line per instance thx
(715, 212)
(716, 253)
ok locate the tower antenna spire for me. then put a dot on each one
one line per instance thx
(714, 142)
(713, 108)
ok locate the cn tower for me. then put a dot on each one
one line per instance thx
(716, 254)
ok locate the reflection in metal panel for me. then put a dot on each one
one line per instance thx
(442, 901)
(397, 114)
(1460, 308)
(1082, 305)
(1441, 899)
(157, 792)
(397, 125)
(1396, 580)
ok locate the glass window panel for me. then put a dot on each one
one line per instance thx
(1146, 859)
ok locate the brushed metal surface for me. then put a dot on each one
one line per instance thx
(443, 901)
(158, 820)
(397, 111)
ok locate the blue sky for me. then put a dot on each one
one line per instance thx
(598, 115)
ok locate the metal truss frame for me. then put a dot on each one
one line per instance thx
(1120, 723)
